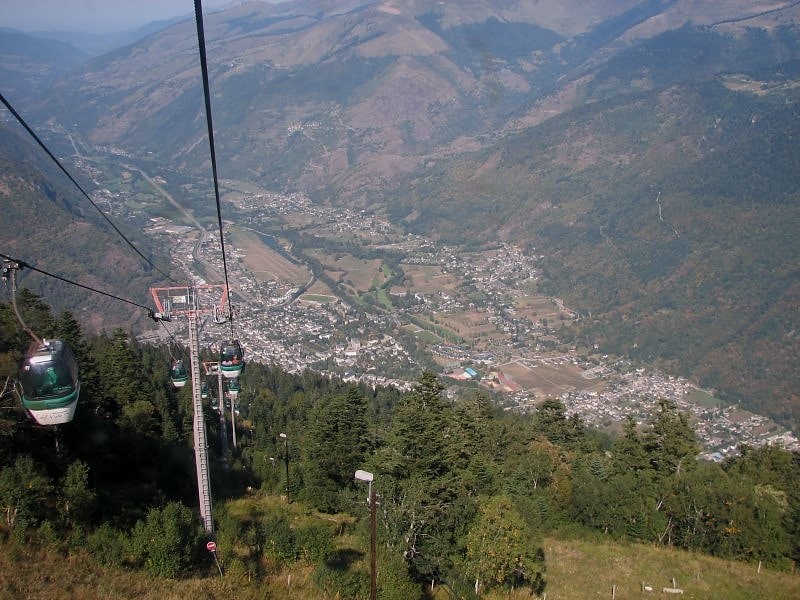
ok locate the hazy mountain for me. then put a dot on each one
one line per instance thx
(95, 44)
(647, 148)
(29, 64)
(354, 94)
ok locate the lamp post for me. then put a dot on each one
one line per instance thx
(286, 462)
(373, 577)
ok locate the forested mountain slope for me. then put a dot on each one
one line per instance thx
(50, 225)
(28, 63)
(665, 216)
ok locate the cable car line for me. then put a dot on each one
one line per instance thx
(172, 337)
(178, 373)
(10, 271)
(201, 42)
(22, 264)
(22, 122)
(175, 341)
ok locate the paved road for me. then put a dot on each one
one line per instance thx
(210, 269)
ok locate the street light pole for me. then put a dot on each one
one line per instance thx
(373, 570)
(286, 462)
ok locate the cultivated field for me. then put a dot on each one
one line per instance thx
(546, 378)
(265, 263)
(536, 308)
(359, 274)
(429, 279)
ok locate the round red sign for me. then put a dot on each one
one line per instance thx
(212, 546)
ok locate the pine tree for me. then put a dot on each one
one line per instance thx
(670, 443)
(335, 446)
(416, 485)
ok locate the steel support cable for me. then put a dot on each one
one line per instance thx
(23, 264)
(175, 341)
(201, 42)
(22, 122)
(13, 276)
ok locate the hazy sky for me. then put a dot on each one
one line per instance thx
(94, 15)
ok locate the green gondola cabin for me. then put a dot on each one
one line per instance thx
(178, 374)
(231, 358)
(50, 384)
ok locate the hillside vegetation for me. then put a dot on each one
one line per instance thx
(665, 215)
(578, 570)
(51, 226)
(469, 495)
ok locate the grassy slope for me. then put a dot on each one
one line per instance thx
(576, 569)
(582, 569)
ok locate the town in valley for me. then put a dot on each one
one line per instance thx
(343, 292)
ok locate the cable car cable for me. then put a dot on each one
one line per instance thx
(10, 271)
(22, 264)
(174, 339)
(22, 122)
(201, 42)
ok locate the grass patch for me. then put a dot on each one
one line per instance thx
(384, 300)
(579, 569)
(265, 263)
(703, 399)
(428, 337)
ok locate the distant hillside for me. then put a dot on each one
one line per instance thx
(96, 44)
(29, 64)
(48, 224)
(345, 98)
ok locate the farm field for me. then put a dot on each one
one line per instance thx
(547, 378)
(265, 263)
(537, 308)
(429, 279)
(359, 274)
(319, 288)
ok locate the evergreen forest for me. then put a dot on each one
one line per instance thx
(466, 493)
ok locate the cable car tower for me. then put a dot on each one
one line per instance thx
(191, 302)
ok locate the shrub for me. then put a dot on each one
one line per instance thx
(315, 542)
(165, 541)
(107, 546)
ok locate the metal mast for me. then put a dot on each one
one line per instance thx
(199, 423)
(233, 420)
(189, 302)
